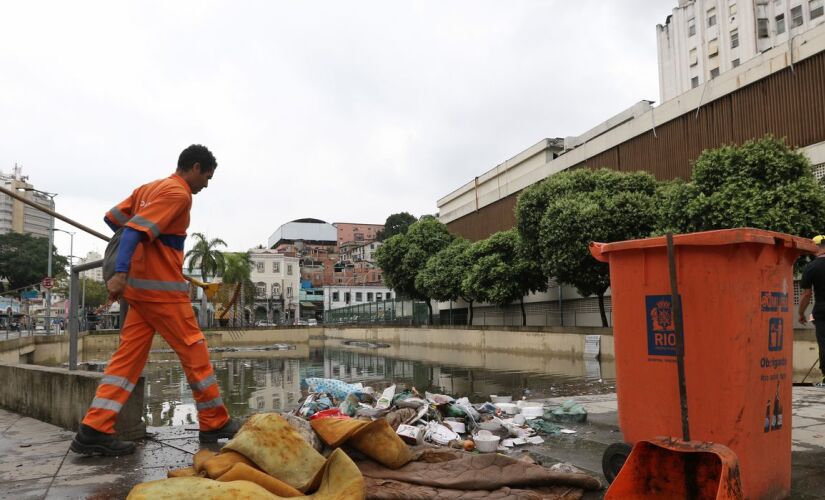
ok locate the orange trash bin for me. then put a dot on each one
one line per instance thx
(736, 288)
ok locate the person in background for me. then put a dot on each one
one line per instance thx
(813, 277)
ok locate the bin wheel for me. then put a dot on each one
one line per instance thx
(614, 458)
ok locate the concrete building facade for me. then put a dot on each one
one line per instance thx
(350, 231)
(702, 39)
(16, 216)
(92, 274)
(338, 296)
(277, 279)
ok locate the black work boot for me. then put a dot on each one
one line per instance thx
(228, 431)
(89, 441)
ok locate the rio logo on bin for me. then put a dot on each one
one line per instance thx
(661, 331)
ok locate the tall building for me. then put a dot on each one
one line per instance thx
(703, 38)
(92, 274)
(16, 216)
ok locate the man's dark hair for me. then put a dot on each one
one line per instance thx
(197, 153)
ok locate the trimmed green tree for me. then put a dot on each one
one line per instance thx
(581, 206)
(763, 184)
(502, 271)
(24, 260)
(443, 275)
(396, 224)
(403, 256)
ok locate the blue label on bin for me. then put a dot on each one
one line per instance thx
(776, 334)
(661, 328)
(774, 302)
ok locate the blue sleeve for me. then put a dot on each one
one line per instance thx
(111, 224)
(128, 242)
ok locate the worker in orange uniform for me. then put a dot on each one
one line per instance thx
(148, 274)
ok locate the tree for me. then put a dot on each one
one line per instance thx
(237, 271)
(206, 256)
(502, 271)
(763, 184)
(581, 206)
(94, 292)
(442, 277)
(395, 224)
(24, 260)
(403, 256)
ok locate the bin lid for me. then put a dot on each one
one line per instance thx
(708, 238)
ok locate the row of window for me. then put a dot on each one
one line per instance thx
(260, 290)
(379, 296)
(815, 7)
(260, 266)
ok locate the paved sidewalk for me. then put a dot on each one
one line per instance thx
(36, 462)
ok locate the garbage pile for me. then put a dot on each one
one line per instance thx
(346, 441)
(440, 419)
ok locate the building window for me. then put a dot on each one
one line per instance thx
(259, 266)
(379, 296)
(817, 8)
(276, 290)
(780, 24)
(735, 63)
(691, 26)
(369, 296)
(346, 297)
(289, 291)
(358, 296)
(289, 269)
(762, 28)
(389, 295)
(694, 58)
(714, 73)
(713, 47)
(732, 9)
(694, 82)
(711, 17)
(336, 296)
(796, 16)
(734, 38)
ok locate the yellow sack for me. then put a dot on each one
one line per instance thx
(244, 472)
(378, 441)
(335, 431)
(185, 472)
(200, 488)
(216, 465)
(278, 449)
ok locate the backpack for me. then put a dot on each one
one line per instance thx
(110, 255)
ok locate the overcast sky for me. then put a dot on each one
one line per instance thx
(343, 111)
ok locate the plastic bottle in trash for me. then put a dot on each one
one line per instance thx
(768, 416)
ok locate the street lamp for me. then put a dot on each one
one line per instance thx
(51, 245)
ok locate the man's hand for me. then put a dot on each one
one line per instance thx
(116, 285)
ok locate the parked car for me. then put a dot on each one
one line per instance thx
(265, 324)
(312, 322)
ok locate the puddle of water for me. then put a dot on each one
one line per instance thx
(253, 379)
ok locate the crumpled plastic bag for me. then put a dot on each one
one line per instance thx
(569, 411)
(336, 388)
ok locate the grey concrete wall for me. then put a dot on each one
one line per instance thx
(61, 397)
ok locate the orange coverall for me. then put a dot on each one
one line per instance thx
(158, 298)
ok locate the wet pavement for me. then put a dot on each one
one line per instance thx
(37, 462)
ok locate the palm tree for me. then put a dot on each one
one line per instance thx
(237, 270)
(209, 259)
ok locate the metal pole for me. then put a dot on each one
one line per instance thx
(49, 275)
(679, 331)
(83, 300)
(73, 293)
(52, 213)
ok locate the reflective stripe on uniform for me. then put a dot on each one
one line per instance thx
(212, 403)
(203, 384)
(106, 404)
(142, 221)
(164, 286)
(116, 381)
(119, 216)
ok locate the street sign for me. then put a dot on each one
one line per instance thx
(47, 282)
(29, 294)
